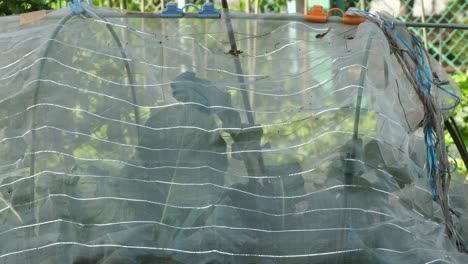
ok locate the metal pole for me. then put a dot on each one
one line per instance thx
(423, 19)
(454, 131)
(232, 41)
(247, 6)
(431, 25)
(362, 4)
(355, 143)
(299, 17)
(240, 77)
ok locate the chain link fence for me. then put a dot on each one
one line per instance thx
(449, 46)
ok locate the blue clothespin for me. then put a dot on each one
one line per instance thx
(209, 11)
(76, 7)
(172, 10)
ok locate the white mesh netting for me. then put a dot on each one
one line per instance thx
(140, 140)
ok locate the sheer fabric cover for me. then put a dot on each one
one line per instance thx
(151, 145)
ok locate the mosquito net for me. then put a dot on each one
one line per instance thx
(137, 139)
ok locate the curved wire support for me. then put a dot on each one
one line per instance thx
(37, 89)
(41, 66)
(34, 113)
(457, 137)
(131, 78)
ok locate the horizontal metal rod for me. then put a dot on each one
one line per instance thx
(291, 17)
(414, 24)
(334, 19)
(433, 25)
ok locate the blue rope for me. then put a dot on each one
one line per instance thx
(423, 75)
(455, 167)
(431, 81)
(431, 161)
(431, 152)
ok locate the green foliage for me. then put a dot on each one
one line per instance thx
(272, 5)
(461, 118)
(11, 7)
(461, 115)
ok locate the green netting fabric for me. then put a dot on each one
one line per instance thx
(143, 140)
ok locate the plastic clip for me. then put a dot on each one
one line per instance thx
(172, 11)
(186, 6)
(209, 11)
(76, 7)
(318, 15)
(352, 20)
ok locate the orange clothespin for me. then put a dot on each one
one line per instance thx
(317, 15)
(348, 19)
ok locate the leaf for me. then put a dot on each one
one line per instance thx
(8, 204)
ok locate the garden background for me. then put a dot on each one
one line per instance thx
(449, 46)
